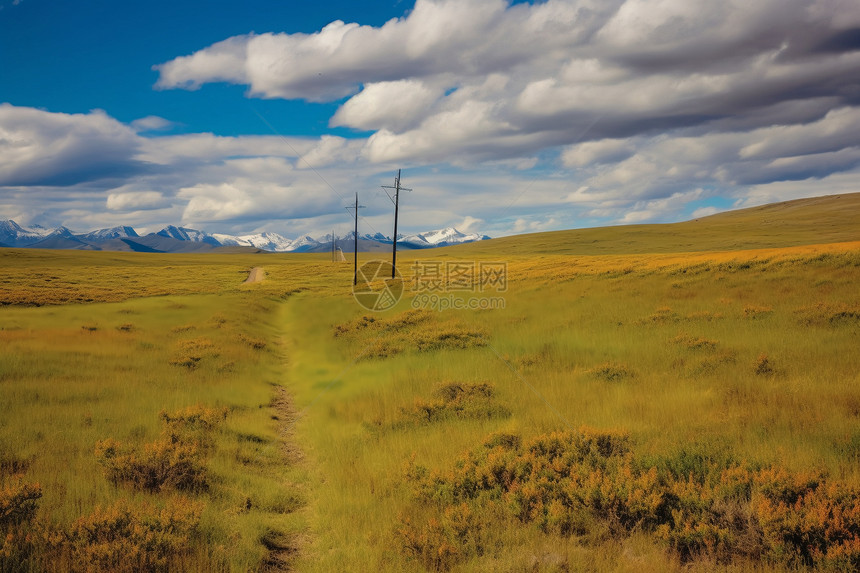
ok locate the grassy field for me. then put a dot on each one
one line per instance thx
(635, 409)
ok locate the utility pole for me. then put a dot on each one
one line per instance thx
(396, 201)
(355, 265)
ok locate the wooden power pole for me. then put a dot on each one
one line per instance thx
(396, 201)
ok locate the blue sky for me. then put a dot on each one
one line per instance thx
(506, 118)
(77, 56)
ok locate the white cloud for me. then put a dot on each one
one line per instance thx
(470, 224)
(387, 105)
(330, 150)
(134, 200)
(595, 152)
(476, 80)
(648, 210)
(526, 116)
(223, 62)
(835, 184)
(150, 123)
(39, 147)
(705, 212)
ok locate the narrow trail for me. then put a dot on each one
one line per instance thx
(283, 548)
(256, 275)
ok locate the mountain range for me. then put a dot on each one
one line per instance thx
(173, 239)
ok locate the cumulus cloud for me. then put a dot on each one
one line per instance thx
(640, 66)
(387, 105)
(525, 116)
(244, 199)
(42, 148)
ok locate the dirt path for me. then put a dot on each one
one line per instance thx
(256, 275)
(283, 548)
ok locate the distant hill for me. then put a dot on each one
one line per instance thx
(829, 219)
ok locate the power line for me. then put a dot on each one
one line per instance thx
(397, 188)
(355, 265)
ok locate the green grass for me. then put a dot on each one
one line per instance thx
(75, 375)
(708, 361)
(667, 348)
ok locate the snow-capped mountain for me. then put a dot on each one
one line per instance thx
(440, 238)
(112, 233)
(378, 237)
(184, 234)
(182, 239)
(61, 232)
(13, 234)
(267, 241)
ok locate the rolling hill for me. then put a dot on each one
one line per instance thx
(828, 219)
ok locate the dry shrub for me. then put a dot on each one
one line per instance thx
(704, 315)
(418, 330)
(192, 351)
(455, 400)
(186, 361)
(754, 312)
(125, 537)
(163, 464)
(439, 543)
(763, 366)
(196, 345)
(255, 343)
(694, 342)
(177, 460)
(193, 419)
(701, 505)
(611, 372)
(662, 315)
(826, 314)
(18, 504)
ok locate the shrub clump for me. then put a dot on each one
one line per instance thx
(832, 315)
(417, 330)
(694, 342)
(177, 460)
(192, 351)
(455, 400)
(125, 538)
(18, 504)
(576, 483)
(163, 464)
(193, 419)
(611, 372)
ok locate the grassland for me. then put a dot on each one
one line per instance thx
(662, 411)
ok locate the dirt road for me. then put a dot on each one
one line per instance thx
(256, 275)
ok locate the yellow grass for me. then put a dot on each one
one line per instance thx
(197, 423)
